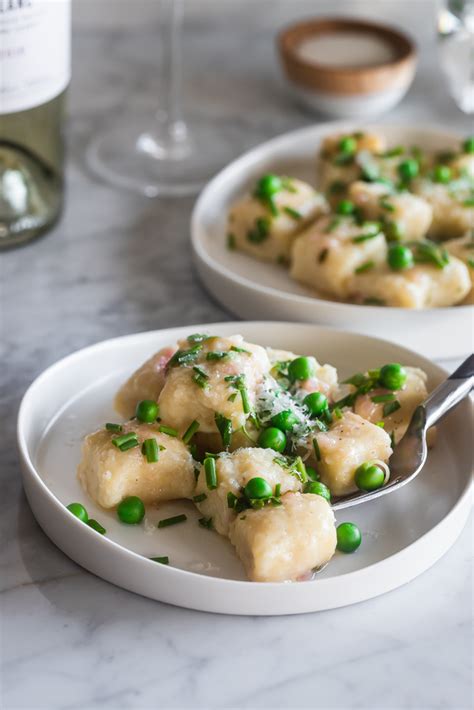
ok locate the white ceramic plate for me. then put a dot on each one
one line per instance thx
(254, 289)
(404, 533)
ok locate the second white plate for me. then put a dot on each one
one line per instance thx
(404, 533)
(253, 289)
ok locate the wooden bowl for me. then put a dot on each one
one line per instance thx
(348, 91)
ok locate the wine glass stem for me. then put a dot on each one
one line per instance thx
(175, 127)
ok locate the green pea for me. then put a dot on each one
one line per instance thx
(468, 145)
(442, 174)
(369, 477)
(131, 510)
(301, 368)
(345, 207)
(348, 145)
(269, 185)
(316, 403)
(272, 438)
(312, 474)
(400, 257)
(348, 537)
(258, 488)
(408, 169)
(285, 421)
(393, 376)
(394, 230)
(147, 411)
(79, 511)
(318, 489)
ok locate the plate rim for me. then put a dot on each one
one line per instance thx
(176, 575)
(260, 150)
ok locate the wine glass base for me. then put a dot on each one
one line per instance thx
(137, 154)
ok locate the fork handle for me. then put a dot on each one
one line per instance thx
(450, 392)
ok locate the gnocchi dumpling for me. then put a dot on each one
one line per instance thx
(221, 377)
(109, 475)
(453, 210)
(463, 249)
(405, 216)
(421, 286)
(234, 471)
(266, 228)
(288, 542)
(326, 256)
(349, 442)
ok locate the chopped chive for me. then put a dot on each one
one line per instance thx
(260, 232)
(337, 412)
(162, 560)
(168, 430)
(364, 267)
(317, 451)
(129, 445)
(301, 468)
(383, 398)
(245, 400)
(470, 263)
(292, 212)
(380, 424)
(166, 522)
(96, 526)
(211, 473)
(469, 202)
(197, 338)
(190, 431)
(224, 426)
(199, 498)
(277, 490)
(333, 224)
(384, 204)
(217, 355)
(200, 377)
(235, 349)
(231, 242)
(365, 236)
(391, 407)
(121, 440)
(231, 500)
(185, 357)
(232, 397)
(322, 256)
(393, 152)
(206, 523)
(114, 427)
(150, 450)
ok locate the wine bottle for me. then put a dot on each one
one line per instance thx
(34, 75)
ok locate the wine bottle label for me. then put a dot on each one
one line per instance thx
(35, 52)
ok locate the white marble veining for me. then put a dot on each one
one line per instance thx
(117, 263)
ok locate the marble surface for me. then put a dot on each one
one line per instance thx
(118, 263)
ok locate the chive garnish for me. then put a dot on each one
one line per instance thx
(428, 252)
(235, 349)
(162, 560)
(150, 450)
(231, 500)
(200, 377)
(224, 426)
(469, 202)
(168, 430)
(206, 523)
(391, 407)
(114, 427)
(337, 412)
(371, 230)
(217, 355)
(197, 338)
(301, 469)
(364, 267)
(384, 204)
(333, 224)
(211, 473)
(383, 398)
(166, 522)
(96, 526)
(232, 397)
(292, 213)
(316, 448)
(380, 424)
(260, 232)
(470, 263)
(126, 441)
(199, 498)
(185, 357)
(277, 490)
(190, 431)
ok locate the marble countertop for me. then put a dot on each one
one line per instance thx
(118, 263)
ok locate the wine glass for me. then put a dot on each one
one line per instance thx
(456, 49)
(158, 152)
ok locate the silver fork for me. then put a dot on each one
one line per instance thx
(409, 455)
